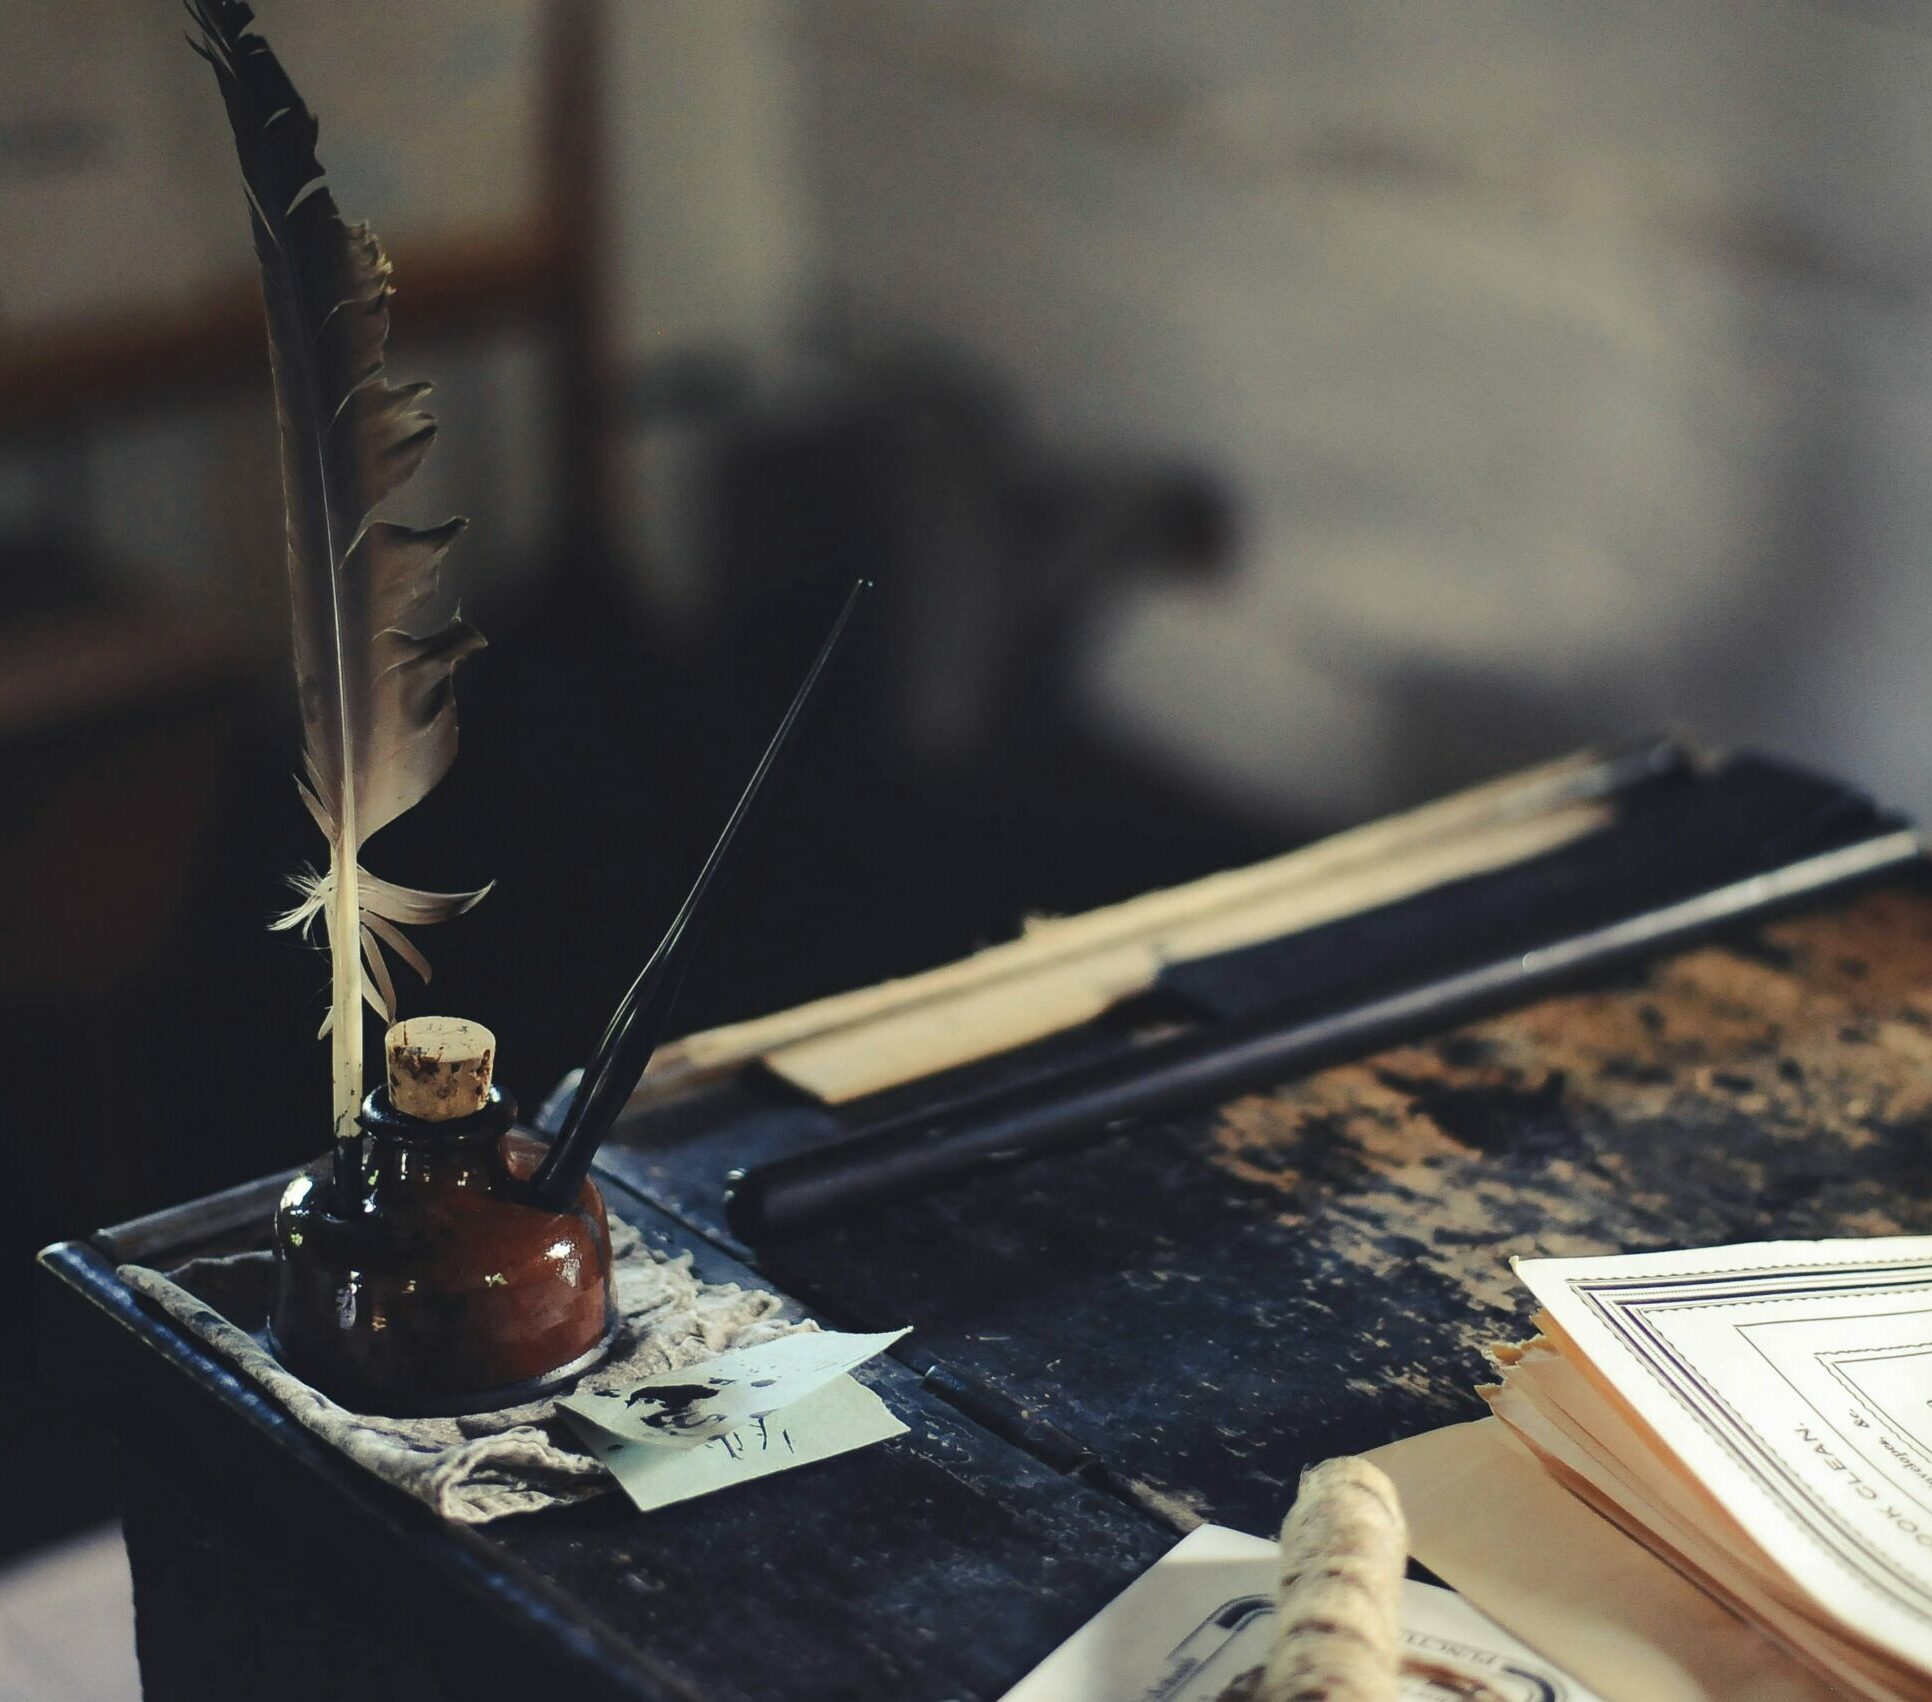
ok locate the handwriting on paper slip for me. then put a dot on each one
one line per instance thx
(699, 1404)
(835, 1418)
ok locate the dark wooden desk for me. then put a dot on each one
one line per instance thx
(1109, 1345)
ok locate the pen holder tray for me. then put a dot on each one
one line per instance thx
(483, 1466)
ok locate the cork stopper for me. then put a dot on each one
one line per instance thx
(439, 1066)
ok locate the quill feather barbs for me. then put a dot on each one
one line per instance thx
(378, 717)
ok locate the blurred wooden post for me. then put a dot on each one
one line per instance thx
(574, 182)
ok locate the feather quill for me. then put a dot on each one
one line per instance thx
(378, 714)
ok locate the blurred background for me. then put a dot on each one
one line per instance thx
(1258, 416)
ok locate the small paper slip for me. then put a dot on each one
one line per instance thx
(836, 1418)
(1204, 1614)
(701, 1403)
(739, 1416)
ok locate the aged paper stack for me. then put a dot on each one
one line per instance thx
(1759, 1419)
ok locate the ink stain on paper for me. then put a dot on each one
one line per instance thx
(674, 1397)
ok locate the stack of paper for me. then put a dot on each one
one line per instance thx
(1759, 1418)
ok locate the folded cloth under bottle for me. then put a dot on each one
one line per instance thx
(481, 1466)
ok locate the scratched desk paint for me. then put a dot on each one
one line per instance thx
(1194, 1311)
(1108, 1345)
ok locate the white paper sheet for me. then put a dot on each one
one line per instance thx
(1794, 1380)
(1204, 1614)
(833, 1419)
(703, 1403)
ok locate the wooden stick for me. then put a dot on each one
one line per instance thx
(977, 1022)
(1212, 906)
(1344, 1548)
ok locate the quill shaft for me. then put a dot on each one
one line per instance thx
(345, 1001)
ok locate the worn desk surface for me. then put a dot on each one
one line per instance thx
(1109, 1344)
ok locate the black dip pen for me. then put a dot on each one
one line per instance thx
(638, 1024)
(911, 1154)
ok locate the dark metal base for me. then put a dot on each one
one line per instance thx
(464, 1405)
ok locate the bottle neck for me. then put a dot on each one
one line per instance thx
(434, 1165)
(408, 1156)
